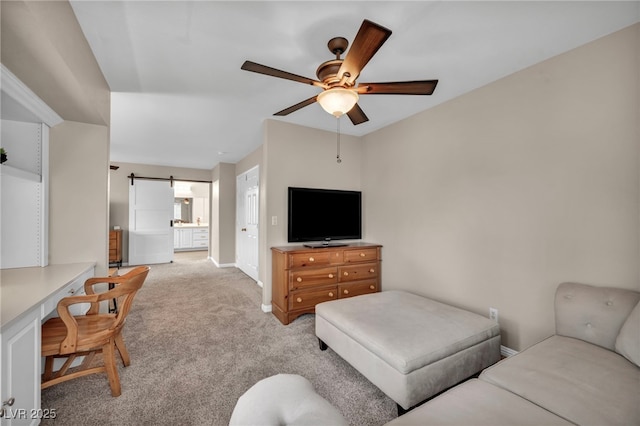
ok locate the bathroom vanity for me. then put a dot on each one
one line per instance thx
(190, 236)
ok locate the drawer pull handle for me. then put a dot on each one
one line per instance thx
(330, 294)
(299, 300)
(330, 275)
(346, 291)
(346, 274)
(311, 259)
(372, 270)
(299, 279)
(372, 287)
(362, 255)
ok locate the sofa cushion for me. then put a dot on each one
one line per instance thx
(628, 341)
(581, 382)
(405, 330)
(478, 403)
(593, 314)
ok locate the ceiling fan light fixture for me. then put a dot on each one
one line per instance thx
(337, 101)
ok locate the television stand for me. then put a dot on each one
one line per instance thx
(322, 245)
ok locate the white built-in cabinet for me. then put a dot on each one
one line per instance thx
(34, 293)
(24, 180)
(20, 352)
(24, 177)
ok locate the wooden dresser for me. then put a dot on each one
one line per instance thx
(115, 247)
(303, 277)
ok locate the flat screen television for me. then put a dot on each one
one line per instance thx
(324, 215)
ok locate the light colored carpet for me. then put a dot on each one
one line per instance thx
(198, 340)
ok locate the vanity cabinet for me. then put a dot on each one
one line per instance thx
(190, 237)
(303, 277)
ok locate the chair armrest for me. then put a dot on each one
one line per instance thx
(88, 284)
(69, 343)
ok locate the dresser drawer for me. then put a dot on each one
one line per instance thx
(363, 255)
(356, 289)
(312, 277)
(319, 258)
(310, 298)
(358, 272)
(113, 255)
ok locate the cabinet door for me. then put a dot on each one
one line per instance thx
(20, 377)
(186, 238)
(176, 238)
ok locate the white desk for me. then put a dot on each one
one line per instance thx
(27, 296)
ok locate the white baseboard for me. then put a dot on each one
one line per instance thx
(222, 265)
(507, 352)
(266, 308)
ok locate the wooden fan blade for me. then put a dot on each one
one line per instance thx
(263, 69)
(368, 40)
(357, 115)
(423, 87)
(296, 107)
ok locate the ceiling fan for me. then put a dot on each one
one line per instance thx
(337, 77)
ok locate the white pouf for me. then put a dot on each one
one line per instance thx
(284, 399)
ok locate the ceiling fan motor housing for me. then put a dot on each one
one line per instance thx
(327, 72)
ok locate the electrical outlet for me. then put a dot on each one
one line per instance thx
(493, 314)
(274, 220)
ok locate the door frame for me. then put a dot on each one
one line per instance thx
(243, 260)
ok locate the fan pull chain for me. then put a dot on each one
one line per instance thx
(338, 159)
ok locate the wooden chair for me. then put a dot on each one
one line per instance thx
(71, 336)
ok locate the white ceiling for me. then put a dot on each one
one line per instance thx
(179, 97)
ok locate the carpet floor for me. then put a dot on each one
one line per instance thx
(198, 340)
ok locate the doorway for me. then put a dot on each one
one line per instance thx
(158, 223)
(191, 214)
(247, 222)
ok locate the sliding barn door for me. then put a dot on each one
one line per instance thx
(150, 222)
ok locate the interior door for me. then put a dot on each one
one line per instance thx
(247, 221)
(150, 222)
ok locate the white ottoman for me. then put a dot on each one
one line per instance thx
(284, 399)
(409, 346)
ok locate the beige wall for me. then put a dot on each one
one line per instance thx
(304, 157)
(78, 202)
(119, 191)
(492, 199)
(223, 207)
(43, 45)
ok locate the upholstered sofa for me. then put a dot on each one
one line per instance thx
(588, 373)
